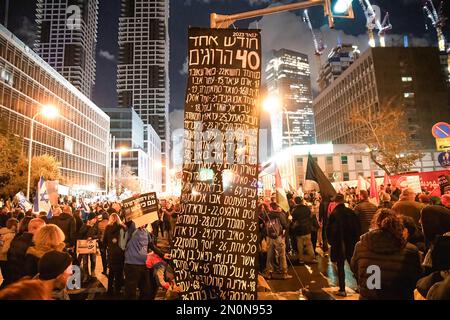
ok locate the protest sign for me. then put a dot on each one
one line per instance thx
(86, 246)
(142, 209)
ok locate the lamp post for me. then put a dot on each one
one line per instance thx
(273, 104)
(49, 112)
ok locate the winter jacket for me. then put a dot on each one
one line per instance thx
(424, 284)
(409, 208)
(435, 221)
(365, 212)
(115, 253)
(16, 254)
(301, 220)
(101, 229)
(440, 290)
(33, 256)
(88, 232)
(399, 266)
(343, 232)
(68, 225)
(6, 237)
(139, 242)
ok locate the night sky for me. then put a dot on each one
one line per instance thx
(281, 30)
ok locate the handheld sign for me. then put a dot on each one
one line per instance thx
(215, 245)
(86, 246)
(441, 130)
(142, 209)
(444, 183)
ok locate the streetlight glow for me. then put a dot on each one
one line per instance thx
(272, 104)
(49, 111)
(342, 6)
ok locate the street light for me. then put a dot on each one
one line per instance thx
(49, 112)
(342, 6)
(273, 104)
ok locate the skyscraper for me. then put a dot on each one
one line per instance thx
(67, 38)
(339, 59)
(288, 77)
(142, 74)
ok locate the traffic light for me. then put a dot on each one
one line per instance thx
(338, 9)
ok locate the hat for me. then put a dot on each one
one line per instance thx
(91, 216)
(52, 264)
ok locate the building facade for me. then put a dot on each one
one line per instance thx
(339, 59)
(67, 38)
(127, 130)
(288, 77)
(142, 75)
(77, 138)
(409, 78)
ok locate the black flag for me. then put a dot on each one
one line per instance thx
(314, 173)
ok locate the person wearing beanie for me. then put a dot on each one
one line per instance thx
(55, 269)
(89, 231)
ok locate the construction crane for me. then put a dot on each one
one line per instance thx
(319, 45)
(437, 20)
(373, 22)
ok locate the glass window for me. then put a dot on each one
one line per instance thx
(344, 159)
(409, 94)
(346, 176)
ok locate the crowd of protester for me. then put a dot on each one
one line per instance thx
(407, 236)
(38, 250)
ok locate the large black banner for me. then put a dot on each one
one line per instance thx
(215, 243)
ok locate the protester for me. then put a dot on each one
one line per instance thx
(435, 221)
(407, 206)
(89, 231)
(162, 274)
(365, 210)
(139, 242)
(343, 232)
(66, 222)
(385, 201)
(55, 269)
(275, 226)
(26, 290)
(48, 238)
(301, 228)
(7, 235)
(20, 245)
(114, 233)
(323, 221)
(101, 225)
(398, 261)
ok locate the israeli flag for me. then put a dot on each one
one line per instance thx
(23, 202)
(42, 200)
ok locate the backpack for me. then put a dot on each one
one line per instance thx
(273, 228)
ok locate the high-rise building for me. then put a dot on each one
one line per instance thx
(338, 60)
(288, 77)
(67, 39)
(410, 78)
(127, 129)
(142, 75)
(77, 137)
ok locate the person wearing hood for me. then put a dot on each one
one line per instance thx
(398, 261)
(20, 244)
(66, 222)
(7, 234)
(343, 232)
(435, 221)
(47, 238)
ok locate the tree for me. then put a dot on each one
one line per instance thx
(388, 140)
(127, 179)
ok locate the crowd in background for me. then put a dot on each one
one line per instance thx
(407, 236)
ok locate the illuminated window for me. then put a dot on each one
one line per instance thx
(406, 79)
(408, 94)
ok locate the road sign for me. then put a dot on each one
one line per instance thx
(443, 144)
(441, 130)
(444, 159)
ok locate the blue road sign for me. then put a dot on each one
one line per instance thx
(441, 130)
